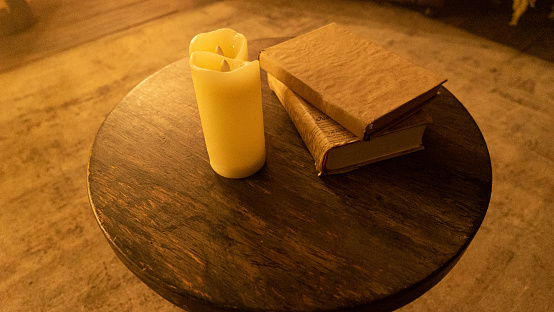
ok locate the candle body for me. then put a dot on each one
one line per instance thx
(233, 44)
(230, 107)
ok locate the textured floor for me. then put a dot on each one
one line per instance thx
(491, 19)
(55, 93)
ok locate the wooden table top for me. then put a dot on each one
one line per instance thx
(283, 239)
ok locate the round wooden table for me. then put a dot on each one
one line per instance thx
(283, 239)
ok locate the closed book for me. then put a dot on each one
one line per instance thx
(337, 150)
(357, 83)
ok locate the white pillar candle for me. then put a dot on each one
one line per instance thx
(231, 44)
(230, 107)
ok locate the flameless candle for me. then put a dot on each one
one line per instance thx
(224, 41)
(229, 98)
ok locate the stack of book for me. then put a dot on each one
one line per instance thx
(352, 101)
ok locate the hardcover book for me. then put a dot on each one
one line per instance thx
(360, 85)
(337, 150)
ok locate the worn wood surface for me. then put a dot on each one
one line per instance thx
(283, 239)
(64, 24)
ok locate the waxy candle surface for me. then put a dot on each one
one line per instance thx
(232, 44)
(230, 107)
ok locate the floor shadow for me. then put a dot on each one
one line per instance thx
(490, 19)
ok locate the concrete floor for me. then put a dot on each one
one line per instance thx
(59, 80)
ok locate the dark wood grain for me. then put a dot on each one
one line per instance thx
(283, 239)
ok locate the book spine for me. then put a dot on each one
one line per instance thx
(307, 127)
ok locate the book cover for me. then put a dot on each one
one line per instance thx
(357, 83)
(337, 150)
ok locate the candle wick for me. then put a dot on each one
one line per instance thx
(219, 50)
(225, 66)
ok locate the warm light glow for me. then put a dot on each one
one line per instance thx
(228, 94)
